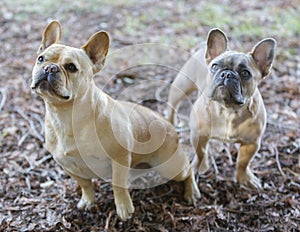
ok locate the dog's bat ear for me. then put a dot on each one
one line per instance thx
(51, 35)
(216, 44)
(96, 48)
(263, 54)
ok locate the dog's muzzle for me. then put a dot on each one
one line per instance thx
(232, 82)
(47, 74)
(229, 79)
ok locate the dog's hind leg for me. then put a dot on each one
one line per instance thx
(178, 168)
(191, 191)
(191, 77)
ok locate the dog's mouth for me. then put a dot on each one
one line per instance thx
(232, 96)
(227, 94)
(44, 85)
(226, 87)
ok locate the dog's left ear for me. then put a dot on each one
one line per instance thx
(263, 54)
(216, 44)
(51, 35)
(96, 48)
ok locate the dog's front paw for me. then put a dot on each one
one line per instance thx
(249, 179)
(192, 193)
(125, 210)
(192, 196)
(84, 204)
(87, 200)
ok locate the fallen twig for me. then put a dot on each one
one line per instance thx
(108, 220)
(292, 172)
(4, 97)
(22, 139)
(172, 218)
(38, 163)
(41, 121)
(228, 153)
(214, 164)
(35, 133)
(27, 180)
(158, 93)
(45, 158)
(241, 212)
(277, 159)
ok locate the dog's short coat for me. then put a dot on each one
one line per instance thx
(92, 135)
(229, 107)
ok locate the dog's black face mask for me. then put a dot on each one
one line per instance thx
(231, 79)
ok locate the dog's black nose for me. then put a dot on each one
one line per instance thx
(51, 68)
(227, 74)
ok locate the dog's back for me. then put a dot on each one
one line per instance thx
(191, 77)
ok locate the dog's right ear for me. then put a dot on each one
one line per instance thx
(96, 48)
(51, 35)
(216, 44)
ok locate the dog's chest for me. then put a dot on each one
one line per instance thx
(229, 126)
(78, 156)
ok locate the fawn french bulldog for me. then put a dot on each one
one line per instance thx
(92, 135)
(229, 106)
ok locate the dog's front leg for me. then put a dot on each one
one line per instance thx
(88, 193)
(120, 173)
(244, 175)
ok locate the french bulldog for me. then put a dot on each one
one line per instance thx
(229, 106)
(92, 135)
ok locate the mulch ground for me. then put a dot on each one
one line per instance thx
(36, 194)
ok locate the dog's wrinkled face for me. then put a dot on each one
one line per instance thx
(57, 72)
(60, 69)
(233, 76)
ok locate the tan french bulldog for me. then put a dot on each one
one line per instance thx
(229, 107)
(92, 135)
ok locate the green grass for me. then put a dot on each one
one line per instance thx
(287, 22)
(280, 23)
(183, 18)
(215, 15)
(133, 24)
(250, 23)
(27, 7)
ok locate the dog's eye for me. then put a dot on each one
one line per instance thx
(40, 59)
(245, 73)
(71, 67)
(214, 67)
